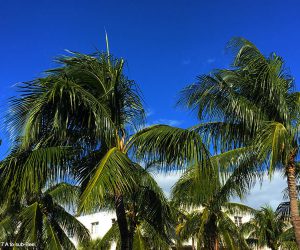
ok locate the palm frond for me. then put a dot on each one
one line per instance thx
(115, 173)
(273, 141)
(111, 236)
(238, 208)
(138, 240)
(169, 146)
(28, 170)
(65, 194)
(31, 226)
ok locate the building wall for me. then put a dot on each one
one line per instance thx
(105, 220)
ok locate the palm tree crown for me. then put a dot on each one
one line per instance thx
(253, 106)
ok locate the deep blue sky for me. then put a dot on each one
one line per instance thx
(166, 43)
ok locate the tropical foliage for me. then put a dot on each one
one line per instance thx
(268, 228)
(210, 222)
(253, 106)
(149, 217)
(83, 122)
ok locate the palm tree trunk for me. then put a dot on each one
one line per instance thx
(291, 179)
(132, 228)
(122, 222)
(210, 235)
(193, 243)
(216, 244)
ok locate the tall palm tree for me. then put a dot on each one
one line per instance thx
(184, 152)
(269, 229)
(210, 224)
(88, 104)
(253, 106)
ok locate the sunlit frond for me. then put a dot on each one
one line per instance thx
(274, 142)
(169, 146)
(115, 174)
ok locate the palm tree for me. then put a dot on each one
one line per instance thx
(33, 207)
(253, 106)
(269, 229)
(37, 215)
(87, 104)
(149, 217)
(210, 224)
(171, 148)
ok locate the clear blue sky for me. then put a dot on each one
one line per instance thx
(166, 43)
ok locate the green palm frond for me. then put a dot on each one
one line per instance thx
(223, 136)
(70, 224)
(53, 241)
(115, 173)
(154, 238)
(65, 194)
(88, 93)
(287, 239)
(267, 227)
(102, 74)
(40, 220)
(138, 240)
(8, 226)
(231, 234)
(217, 97)
(229, 160)
(91, 245)
(270, 72)
(41, 105)
(28, 170)
(274, 141)
(190, 225)
(31, 226)
(111, 236)
(169, 146)
(238, 208)
(192, 190)
(240, 180)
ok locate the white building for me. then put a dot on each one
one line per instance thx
(97, 224)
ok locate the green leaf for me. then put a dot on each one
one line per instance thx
(115, 173)
(169, 146)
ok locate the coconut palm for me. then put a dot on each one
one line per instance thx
(39, 219)
(210, 224)
(88, 104)
(254, 106)
(171, 148)
(149, 218)
(269, 229)
(35, 208)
